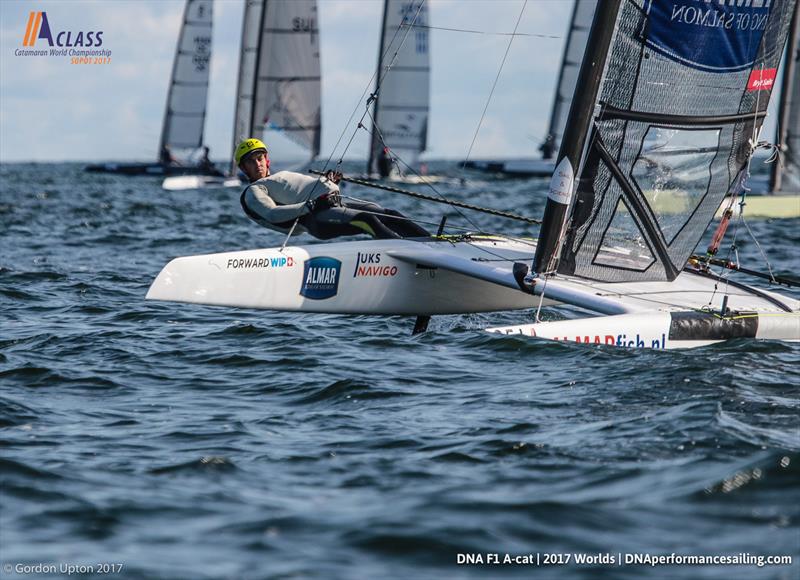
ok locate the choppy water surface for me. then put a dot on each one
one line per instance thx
(196, 442)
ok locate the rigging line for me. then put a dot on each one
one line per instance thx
(344, 130)
(760, 249)
(379, 83)
(410, 193)
(412, 170)
(497, 78)
(532, 35)
(430, 185)
(377, 130)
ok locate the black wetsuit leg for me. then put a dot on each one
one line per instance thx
(345, 221)
(402, 225)
(399, 224)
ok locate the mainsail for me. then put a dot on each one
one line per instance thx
(400, 114)
(279, 72)
(786, 172)
(577, 35)
(186, 101)
(665, 135)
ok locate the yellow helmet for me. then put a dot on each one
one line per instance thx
(246, 147)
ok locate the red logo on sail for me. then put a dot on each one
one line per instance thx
(761, 79)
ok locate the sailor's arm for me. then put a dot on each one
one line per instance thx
(258, 200)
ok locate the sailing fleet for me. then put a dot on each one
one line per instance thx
(663, 124)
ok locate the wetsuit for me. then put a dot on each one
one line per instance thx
(278, 200)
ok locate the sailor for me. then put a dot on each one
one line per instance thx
(166, 157)
(278, 201)
(205, 162)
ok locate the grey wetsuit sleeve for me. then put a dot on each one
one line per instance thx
(258, 200)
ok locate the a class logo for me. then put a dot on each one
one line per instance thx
(321, 278)
(41, 38)
(38, 28)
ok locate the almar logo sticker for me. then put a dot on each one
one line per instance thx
(321, 278)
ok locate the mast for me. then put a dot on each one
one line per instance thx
(786, 102)
(576, 131)
(374, 142)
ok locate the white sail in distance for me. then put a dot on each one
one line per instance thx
(400, 113)
(186, 101)
(279, 72)
(577, 35)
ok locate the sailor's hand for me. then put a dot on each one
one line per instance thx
(334, 176)
(327, 201)
(311, 205)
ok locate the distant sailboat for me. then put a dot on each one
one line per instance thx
(278, 88)
(785, 176)
(182, 131)
(402, 96)
(577, 34)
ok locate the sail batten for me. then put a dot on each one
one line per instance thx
(679, 102)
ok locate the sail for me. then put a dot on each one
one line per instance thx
(786, 172)
(246, 83)
(400, 117)
(186, 100)
(577, 35)
(685, 86)
(279, 78)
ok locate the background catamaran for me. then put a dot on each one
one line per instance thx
(279, 82)
(402, 90)
(577, 35)
(181, 149)
(656, 87)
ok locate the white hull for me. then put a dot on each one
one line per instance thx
(345, 278)
(663, 330)
(457, 276)
(184, 182)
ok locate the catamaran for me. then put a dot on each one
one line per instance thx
(181, 147)
(279, 81)
(577, 35)
(662, 126)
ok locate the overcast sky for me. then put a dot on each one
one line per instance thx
(52, 110)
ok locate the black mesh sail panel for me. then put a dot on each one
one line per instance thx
(685, 88)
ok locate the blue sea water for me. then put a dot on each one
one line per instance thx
(192, 442)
